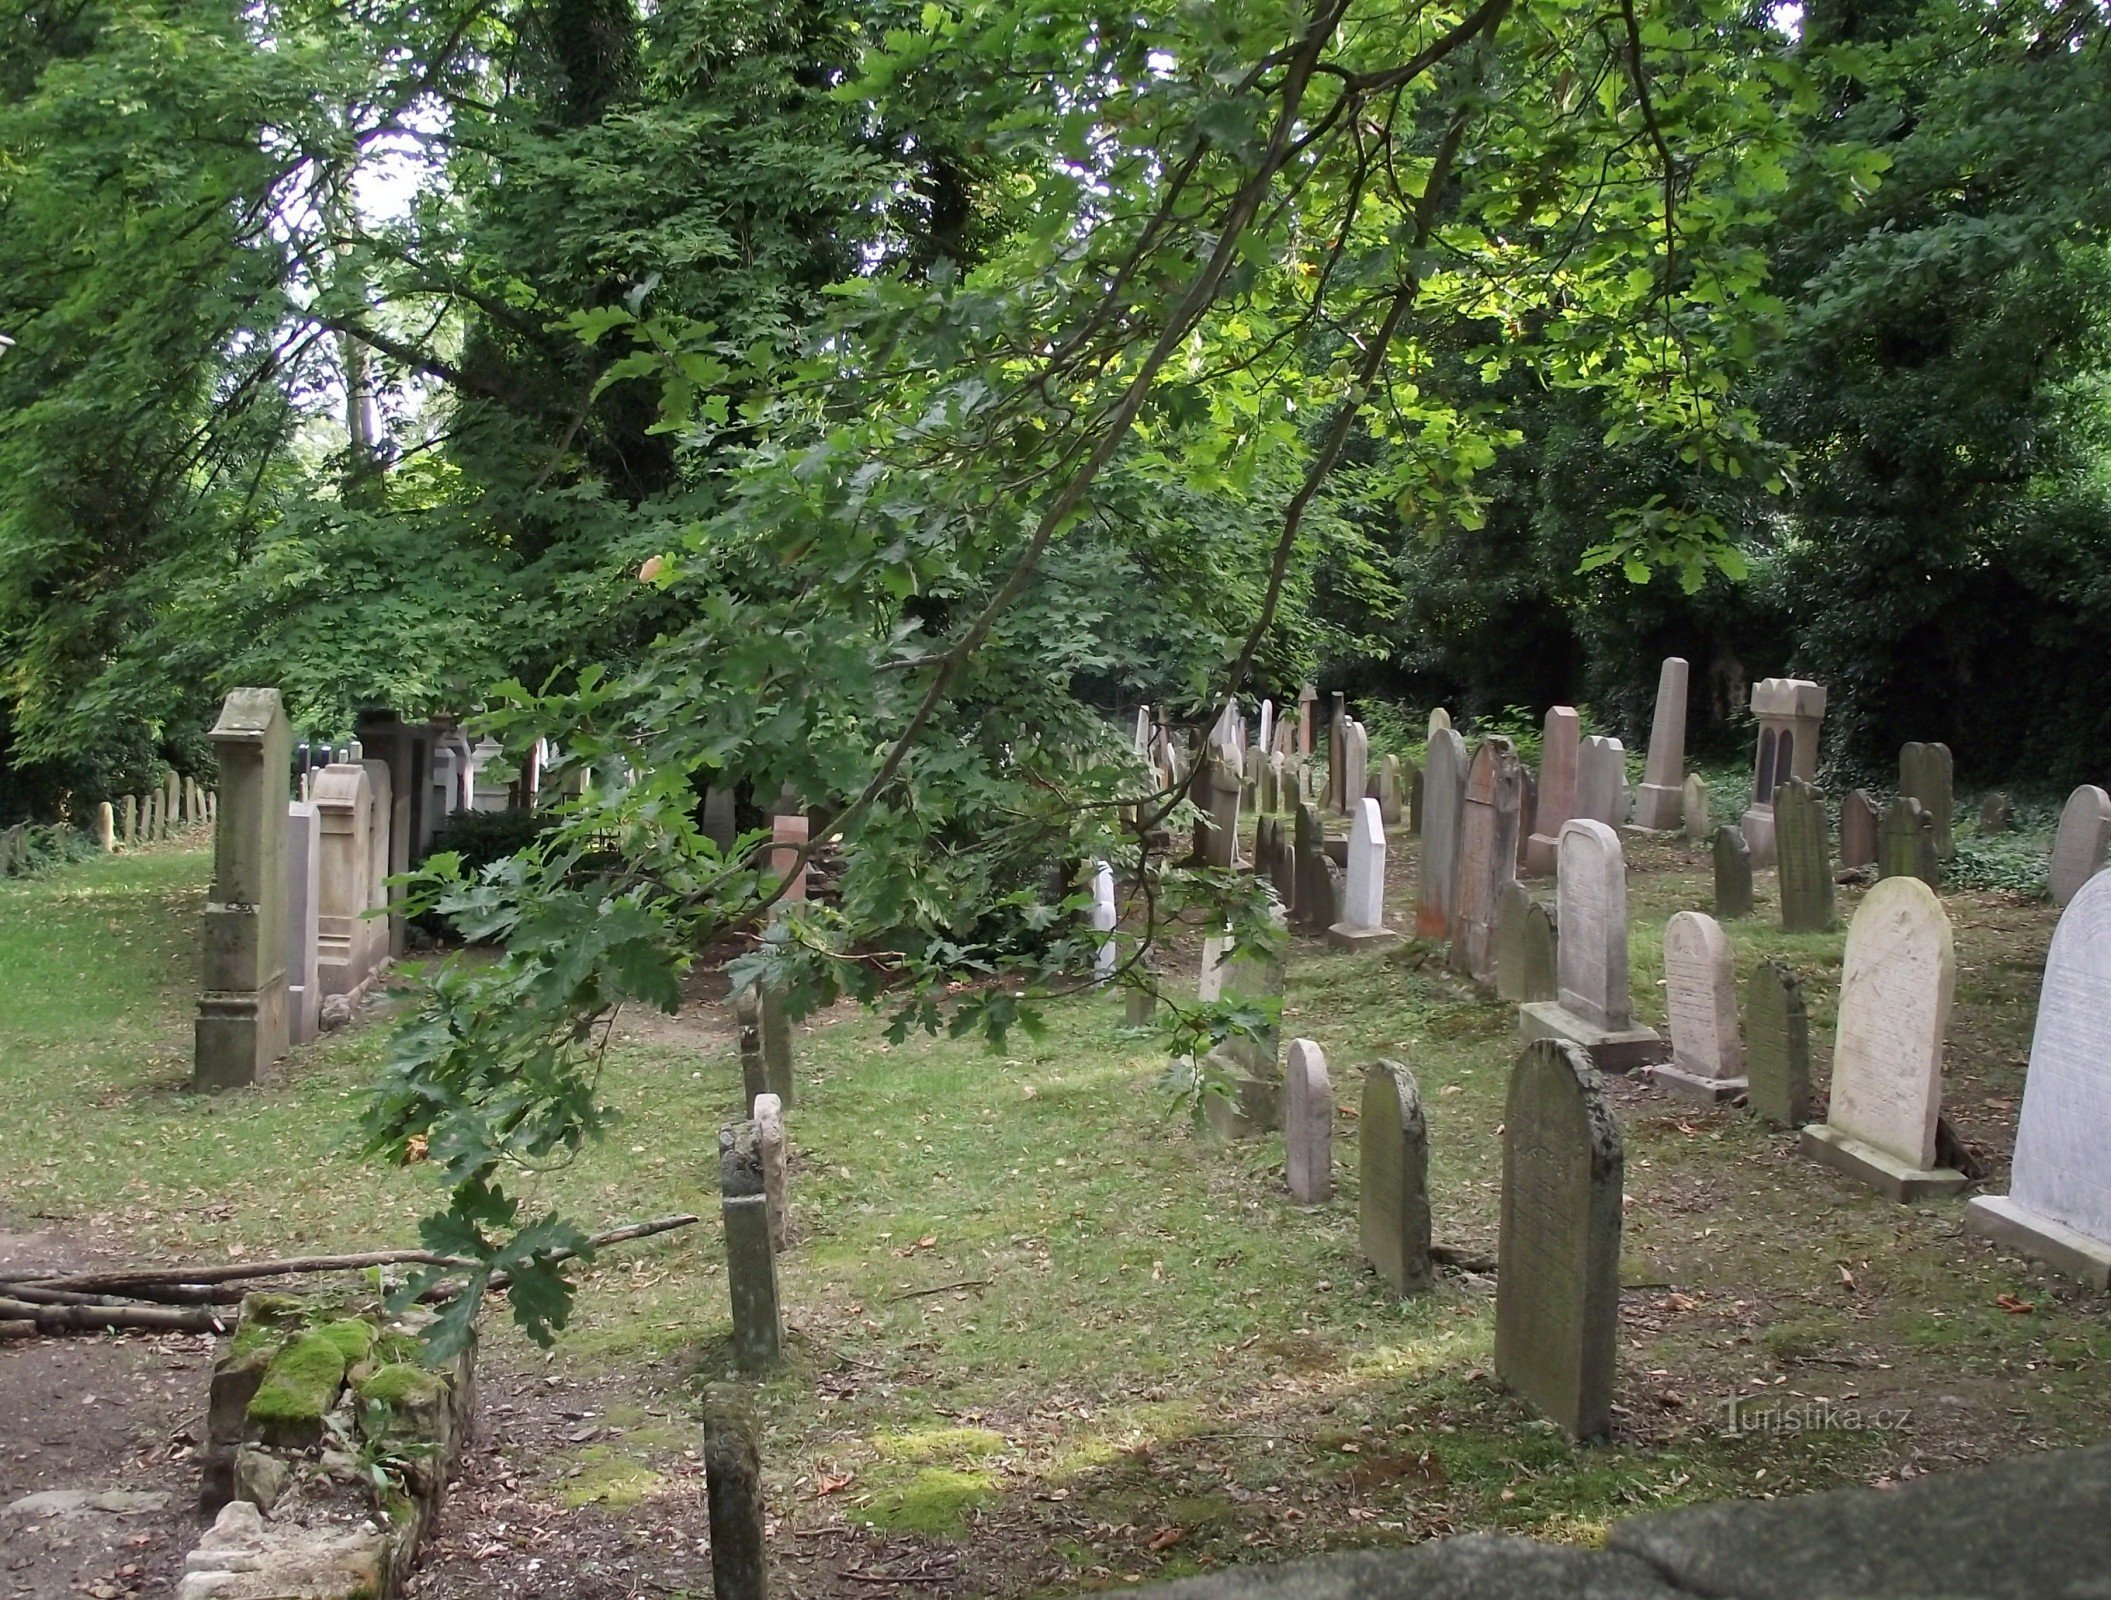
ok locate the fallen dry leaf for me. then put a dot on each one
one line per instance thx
(1166, 1538)
(2013, 1306)
(835, 1484)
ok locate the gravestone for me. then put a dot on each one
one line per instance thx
(1140, 1005)
(1443, 802)
(304, 994)
(387, 931)
(1997, 813)
(1282, 859)
(2058, 1205)
(1700, 997)
(1104, 918)
(1510, 912)
(747, 1035)
(1391, 792)
(2080, 846)
(131, 818)
(1789, 711)
(769, 1145)
(1307, 702)
(1593, 1008)
(241, 1027)
(720, 824)
(1487, 856)
(751, 1258)
(1559, 746)
(343, 797)
(1527, 814)
(1557, 1278)
(1601, 781)
(1253, 767)
(1216, 795)
(1414, 799)
(1777, 1046)
(1733, 874)
(788, 836)
(1905, 843)
(1362, 925)
(1858, 829)
(172, 800)
(776, 1031)
(1356, 766)
(1338, 753)
(106, 827)
(1264, 738)
(1314, 899)
(1699, 821)
(1926, 773)
(1895, 989)
(1803, 858)
(1308, 1124)
(1254, 1104)
(1660, 802)
(1439, 718)
(152, 812)
(733, 1498)
(1393, 1204)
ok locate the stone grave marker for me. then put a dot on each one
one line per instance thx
(343, 797)
(1593, 1008)
(304, 994)
(1308, 1124)
(1777, 1046)
(1905, 843)
(1362, 925)
(1510, 911)
(1487, 856)
(788, 836)
(1140, 1006)
(1858, 829)
(1789, 711)
(2083, 840)
(2058, 1205)
(1895, 989)
(1559, 747)
(776, 1031)
(1733, 874)
(1443, 801)
(1527, 815)
(1803, 857)
(1700, 996)
(1694, 808)
(1439, 718)
(1104, 918)
(1557, 1281)
(1337, 752)
(1307, 699)
(1997, 814)
(1264, 736)
(241, 1028)
(1414, 800)
(1660, 802)
(769, 1145)
(131, 818)
(1391, 792)
(1312, 902)
(733, 1498)
(106, 827)
(1601, 781)
(1925, 772)
(751, 1257)
(747, 1033)
(1393, 1205)
(1356, 768)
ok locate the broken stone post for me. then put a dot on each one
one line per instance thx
(751, 1259)
(733, 1492)
(242, 1013)
(769, 1131)
(754, 1068)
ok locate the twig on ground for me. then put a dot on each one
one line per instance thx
(918, 1294)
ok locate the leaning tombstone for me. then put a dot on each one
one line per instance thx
(1777, 1046)
(1895, 989)
(241, 1027)
(1803, 858)
(1601, 780)
(1997, 813)
(1593, 1008)
(769, 1144)
(1308, 1124)
(1905, 844)
(1700, 998)
(1660, 802)
(1694, 808)
(1362, 925)
(2058, 1205)
(1443, 801)
(751, 1259)
(1557, 1276)
(733, 1495)
(1925, 772)
(1858, 829)
(1487, 856)
(1559, 745)
(2080, 846)
(1393, 1204)
(1733, 874)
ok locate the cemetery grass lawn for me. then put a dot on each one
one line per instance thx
(1042, 1336)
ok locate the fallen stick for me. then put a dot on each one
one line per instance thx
(918, 1294)
(70, 1319)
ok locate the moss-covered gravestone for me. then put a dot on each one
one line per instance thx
(1777, 1046)
(1733, 875)
(751, 1255)
(1906, 843)
(1925, 772)
(1393, 1210)
(1557, 1282)
(733, 1493)
(1524, 955)
(1803, 857)
(1858, 825)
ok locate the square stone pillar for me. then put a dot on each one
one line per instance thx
(304, 995)
(242, 1011)
(1660, 802)
(1789, 712)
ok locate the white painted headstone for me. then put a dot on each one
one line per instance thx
(1103, 920)
(1363, 901)
(2078, 849)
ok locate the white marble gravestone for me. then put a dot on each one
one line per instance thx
(1362, 925)
(1700, 995)
(2058, 1205)
(1895, 988)
(2079, 847)
(1103, 920)
(1308, 1124)
(1594, 1009)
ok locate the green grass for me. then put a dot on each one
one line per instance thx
(1138, 1356)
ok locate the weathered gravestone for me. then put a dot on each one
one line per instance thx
(740, 1568)
(1140, 1005)
(1487, 856)
(1362, 925)
(1700, 998)
(1393, 1206)
(720, 825)
(1698, 819)
(1905, 843)
(2080, 846)
(1557, 1279)
(304, 994)
(769, 1146)
(1443, 802)
(1392, 792)
(1215, 792)
(1601, 781)
(1997, 813)
(1660, 802)
(1307, 703)
(105, 827)
(1314, 900)
(1803, 858)
(1338, 752)
(1525, 957)
(241, 1028)
(131, 818)
(788, 839)
(1777, 1046)
(1439, 718)
(1895, 989)
(1925, 772)
(1733, 874)
(1559, 745)
(747, 1033)
(1789, 711)
(1356, 767)
(1527, 816)
(1858, 829)
(1308, 1124)
(751, 1258)
(1593, 1008)
(776, 1031)
(1414, 800)
(1281, 861)
(1253, 771)
(1242, 1075)
(2058, 1205)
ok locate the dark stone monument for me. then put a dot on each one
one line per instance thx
(1394, 1206)
(1777, 1046)
(1733, 875)
(1803, 857)
(1313, 905)
(751, 1253)
(1414, 800)
(1524, 948)
(1858, 816)
(1996, 813)
(733, 1492)
(1557, 1282)
(1906, 843)
(754, 1068)
(1926, 773)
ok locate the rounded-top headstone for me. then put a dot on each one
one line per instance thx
(2079, 848)
(1591, 897)
(1896, 984)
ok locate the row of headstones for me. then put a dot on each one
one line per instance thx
(181, 802)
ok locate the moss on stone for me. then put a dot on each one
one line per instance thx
(353, 1336)
(934, 1502)
(939, 1444)
(299, 1387)
(400, 1384)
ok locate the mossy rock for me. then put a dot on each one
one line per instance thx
(298, 1390)
(934, 1502)
(403, 1386)
(353, 1336)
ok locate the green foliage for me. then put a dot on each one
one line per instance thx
(478, 839)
